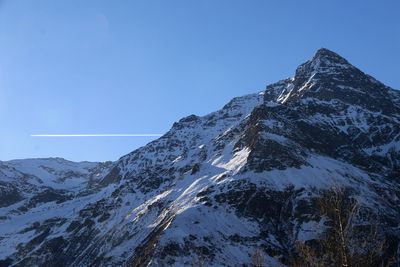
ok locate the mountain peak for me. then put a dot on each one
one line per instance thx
(326, 54)
(328, 76)
(308, 147)
(323, 62)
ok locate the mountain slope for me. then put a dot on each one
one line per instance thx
(284, 174)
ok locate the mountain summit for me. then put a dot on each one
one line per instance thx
(328, 77)
(329, 57)
(305, 173)
(324, 63)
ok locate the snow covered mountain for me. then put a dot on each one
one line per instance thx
(23, 179)
(305, 173)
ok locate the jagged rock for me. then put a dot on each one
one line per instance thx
(268, 172)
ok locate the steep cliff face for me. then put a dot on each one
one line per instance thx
(306, 171)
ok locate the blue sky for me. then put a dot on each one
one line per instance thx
(73, 66)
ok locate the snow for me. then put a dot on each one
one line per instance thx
(235, 163)
(284, 96)
(11, 228)
(271, 104)
(383, 150)
(52, 172)
(276, 137)
(311, 230)
(307, 84)
(273, 124)
(210, 142)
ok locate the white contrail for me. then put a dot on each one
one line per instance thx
(97, 135)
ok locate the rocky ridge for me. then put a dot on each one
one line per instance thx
(272, 174)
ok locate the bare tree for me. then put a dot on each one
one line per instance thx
(198, 260)
(307, 256)
(356, 244)
(341, 211)
(257, 258)
(347, 242)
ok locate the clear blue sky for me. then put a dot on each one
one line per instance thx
(73, 66)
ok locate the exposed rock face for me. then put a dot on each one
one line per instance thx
(306, 171)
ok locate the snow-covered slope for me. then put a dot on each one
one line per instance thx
(56, 173)
(267, 173)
